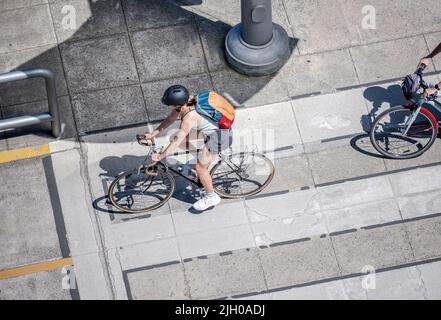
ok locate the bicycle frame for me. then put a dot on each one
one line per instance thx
(418, 109)
(420, 103)
(196, 182)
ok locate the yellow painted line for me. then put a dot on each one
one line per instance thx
(34, 268)
(25, 153)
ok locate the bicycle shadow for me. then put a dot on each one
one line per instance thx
(381, 99)
(185, 193)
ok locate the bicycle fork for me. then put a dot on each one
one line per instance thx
(412, 120)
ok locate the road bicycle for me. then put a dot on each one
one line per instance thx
(407, 131)
(150, 185)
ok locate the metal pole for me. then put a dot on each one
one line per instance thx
(257, 22)
(257, 46)
(54, 112)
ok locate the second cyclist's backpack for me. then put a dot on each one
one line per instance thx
(410, 86)
(216, 108)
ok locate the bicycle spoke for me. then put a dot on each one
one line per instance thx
(242, 174)
(137, 191)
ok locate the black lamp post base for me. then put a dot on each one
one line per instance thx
(257, 60)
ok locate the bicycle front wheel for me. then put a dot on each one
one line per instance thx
(389, 137)
(242, 175)
(135, 191)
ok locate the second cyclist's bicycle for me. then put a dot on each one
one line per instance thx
(150, 185)
(407, 131)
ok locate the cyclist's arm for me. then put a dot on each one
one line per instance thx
(166, 123)
(435, 52)
(175, 141)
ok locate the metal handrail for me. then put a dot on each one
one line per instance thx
(54, 113)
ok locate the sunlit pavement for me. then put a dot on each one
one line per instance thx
(337, 221)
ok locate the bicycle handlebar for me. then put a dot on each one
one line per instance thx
(421, 68)
(419, 72)
(147, 142)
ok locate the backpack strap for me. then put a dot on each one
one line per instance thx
(201, 110)
(187, 111)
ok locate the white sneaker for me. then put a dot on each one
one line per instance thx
(206, 202)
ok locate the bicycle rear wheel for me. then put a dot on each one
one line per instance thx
(135, 191)
(242, 175)
(388, 138)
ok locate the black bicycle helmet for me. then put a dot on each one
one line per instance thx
(175, 95)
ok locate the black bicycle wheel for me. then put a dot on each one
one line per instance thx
(388, 134)
(242, 175)
(135, 191)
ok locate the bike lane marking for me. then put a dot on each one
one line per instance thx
(34, 268)
(24, 153)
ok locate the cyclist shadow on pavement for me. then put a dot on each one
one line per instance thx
(380, 99)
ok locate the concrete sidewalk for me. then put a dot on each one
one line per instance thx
(330, 212)
(333, 209)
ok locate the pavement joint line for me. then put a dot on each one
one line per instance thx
(6, 106)
(28, 49)
(90, 38)
(338, 233)
(357, 75)
(374, 83)
(244, 295)
(26, 7)
(132, 51)
(284, 243)
(348, 136)
(364, 44)
(306, 95)
(378, 174)
(127, 285)
(204, 50)
(142, 217)
(266, 195)
(106, 130)
(24, 153)
(34, 268)
(179, 24)
(155, 266)
(102, 253)
(339, 278)
(391, 223)
(429, 216)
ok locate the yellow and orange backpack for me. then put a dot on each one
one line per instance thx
(216, 108)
